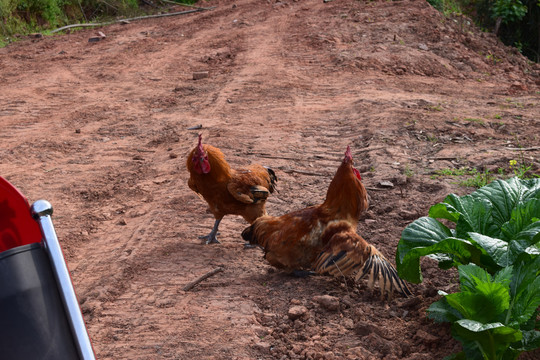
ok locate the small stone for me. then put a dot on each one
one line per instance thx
(328, 302)
(423, 47)
(122, 222)
(197, 75)
(77, 131)
(412, 302)
(262, 347)
(296, 312)
(386, 184)
(36, 35)
(173, 155)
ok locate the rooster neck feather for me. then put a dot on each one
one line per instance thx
(220, 171)
(346, 197)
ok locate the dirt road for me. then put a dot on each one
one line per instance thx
(100, 129)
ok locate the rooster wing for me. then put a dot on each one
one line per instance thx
(347, 253)
(252, 184)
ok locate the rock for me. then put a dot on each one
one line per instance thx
(297, 311)
(412, 302)
(262, 347)
(423, 47)
(376, 343)
(266, 319)
(386, 184)
(328, 302)
(408, 215)
(363, 328)
(517, 86)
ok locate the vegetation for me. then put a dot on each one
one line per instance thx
(26, 16)
(471, 177)
(495, 244)
(516, 22)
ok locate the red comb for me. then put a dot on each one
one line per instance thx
(348, 155)
(199, 146)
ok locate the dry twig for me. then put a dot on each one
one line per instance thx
(202, 278)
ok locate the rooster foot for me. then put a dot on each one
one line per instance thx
(302, 273)
(209, 239)
(250, 246)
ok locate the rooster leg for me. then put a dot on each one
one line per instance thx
(212, 237)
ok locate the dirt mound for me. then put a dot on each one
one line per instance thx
(100, 129)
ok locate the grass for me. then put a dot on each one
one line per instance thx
(408, 172)
(468, 177)
(472, 177)
(474, 120)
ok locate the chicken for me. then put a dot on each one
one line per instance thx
(227, 191)
(323, 238)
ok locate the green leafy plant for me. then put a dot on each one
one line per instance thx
(493, 225)
(495, 244)
(493, 316)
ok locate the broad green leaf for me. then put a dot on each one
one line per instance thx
(471, 214)
(477, 327)
(496, 248)
(493, 339)
(461, 250)
(526, 302)
(420, 234)
(470, 274)
(444, 211)
(523, 218)
(478, 306)
(503, 195)
(525, 272)
(504, 276)
(441, 311)
(532, 189)
(530, 341)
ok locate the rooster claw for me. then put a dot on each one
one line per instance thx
(249, 246)
(209, 239)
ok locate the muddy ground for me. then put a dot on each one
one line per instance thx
(101, 130)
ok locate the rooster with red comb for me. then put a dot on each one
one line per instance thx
(228, 191)
(323, 238)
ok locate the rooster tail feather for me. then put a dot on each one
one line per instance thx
(380, 269)
(375, 266)
(273, 179)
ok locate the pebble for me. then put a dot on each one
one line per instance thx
(297, 311)
(328, 302)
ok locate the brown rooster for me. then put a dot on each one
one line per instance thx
(227, 191)
(323, 238)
